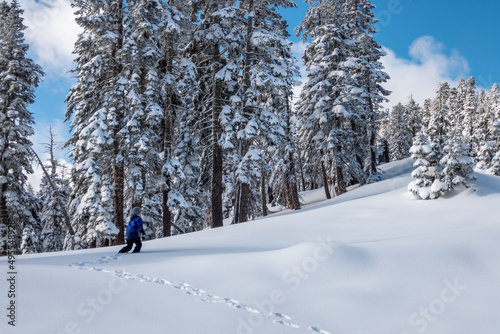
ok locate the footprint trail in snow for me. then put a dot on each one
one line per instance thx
(276, 318)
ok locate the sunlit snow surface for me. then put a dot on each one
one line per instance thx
(375, 260)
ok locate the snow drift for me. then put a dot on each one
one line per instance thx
(374, 260)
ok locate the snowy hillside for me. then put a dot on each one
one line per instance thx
(374, 260)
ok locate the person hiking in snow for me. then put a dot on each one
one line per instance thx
(134, 229)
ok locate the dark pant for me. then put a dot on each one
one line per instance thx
(130, 242)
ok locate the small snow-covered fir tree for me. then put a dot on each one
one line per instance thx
(494, 106)
(400, 138)
(54, 230)
(495, 164)
(427, 173)
(458, 165)
(486, 154)
(439, 124)
(470, 106)
(415, 115)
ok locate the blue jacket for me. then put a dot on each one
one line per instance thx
(134, 227)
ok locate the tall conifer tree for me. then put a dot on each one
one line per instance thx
(19, 76)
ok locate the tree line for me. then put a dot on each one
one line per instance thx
(186, 109)
(450, 135)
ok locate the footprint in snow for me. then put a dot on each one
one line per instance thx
(276, 318)
(318, 330)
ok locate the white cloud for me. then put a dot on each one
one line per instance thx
(419, 76)
(51, 33)
(428, 66)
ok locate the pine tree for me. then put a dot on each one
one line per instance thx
(415, 115)
(97, 104)
(494, 107)
(469, 117)
(215, 47)
(495, 168)
(486, 154)
(458, 165)
(483, 118)
(400, 137)
(324, 121)
(369, 91)
(454, 113)
(339, 105)
(427, 173)
(426, 116)
(160, 91)
(54, 230)
(383, 138)
(266, 84)
(439, 125)
(19, 76)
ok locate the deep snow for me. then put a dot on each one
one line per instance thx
(375, 260)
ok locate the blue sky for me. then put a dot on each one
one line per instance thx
(427, 42)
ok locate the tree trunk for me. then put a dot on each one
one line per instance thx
(217, 153)
(373, 153)
(244, 205)
(301, 168)
(4, 219)
(291, 181)
(325, 181)
(290, 177)
(263, 196)
(339, 184)
(168, 143)
(373, 136)
(118, 178)
(118, 164)
(167, 149)
(387, 156)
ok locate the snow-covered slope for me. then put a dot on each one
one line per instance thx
(375, 260)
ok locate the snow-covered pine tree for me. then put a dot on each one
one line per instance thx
(486, 154)
(483, 117)
(19, 76)
(426, 115)
(160, 89)
(454, 113)
(415, 115)
(458, 165)
(284, 177)
(488, 129)
(370, 77)
(400, 137)
(97, 105)
(439, 121)
(266, 87)
(340, 102)
(383, 138)
(325, 130)
(427, 173)
(54, 229)
(469, 117)
(495, 164)
(494, 107)
(215, 47)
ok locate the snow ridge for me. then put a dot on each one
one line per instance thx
(201, 295)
